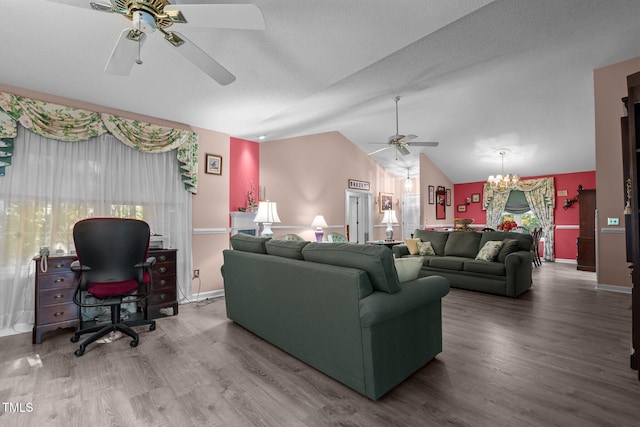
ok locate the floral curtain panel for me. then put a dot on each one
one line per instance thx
(74, 124)
(540, 194)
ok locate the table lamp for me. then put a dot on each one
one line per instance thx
(267, 215)
(389, 218)
(319, 222)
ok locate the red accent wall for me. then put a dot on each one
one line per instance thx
(244, 168)
(565, 237)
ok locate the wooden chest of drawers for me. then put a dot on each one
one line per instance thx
(54, 306)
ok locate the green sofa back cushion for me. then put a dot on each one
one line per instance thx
(286, 248)
(437, 238)
(508, 246)
(247, 243)
(464, 244)
(376, 260)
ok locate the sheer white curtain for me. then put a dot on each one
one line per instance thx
(52, 184)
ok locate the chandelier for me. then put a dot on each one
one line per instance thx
(503, 181)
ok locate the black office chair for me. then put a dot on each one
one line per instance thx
(114, 268)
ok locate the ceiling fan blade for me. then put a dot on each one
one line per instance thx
(86, 4)
(379, 150)
(125, 53)
(237, 16)
(403, 150)
(202, 60)
(407, 138)
(423, 144)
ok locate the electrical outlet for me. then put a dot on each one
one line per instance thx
(613, 221)
(196, 274)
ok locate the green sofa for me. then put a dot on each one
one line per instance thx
(338, 307)
(509, 274)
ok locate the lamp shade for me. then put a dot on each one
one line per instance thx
(319, 221)
(267, 213)
(389, 217)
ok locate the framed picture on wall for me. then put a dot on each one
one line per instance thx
(432, 194)
(475, 197)
(213, 164)
(462, 208)
(386, 202)
(448, 197)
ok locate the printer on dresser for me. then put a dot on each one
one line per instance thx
(54, 289)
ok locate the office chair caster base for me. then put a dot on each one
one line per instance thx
(79, 352)
(134, 343)
(75, 338)
(152, 327)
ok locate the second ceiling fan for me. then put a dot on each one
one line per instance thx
(401, 142)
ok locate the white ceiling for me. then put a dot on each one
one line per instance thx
(475, 75)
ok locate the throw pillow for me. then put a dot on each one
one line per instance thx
(489, 251)
(408, 268)
(425, 248)
(508, 246)
(412, 245)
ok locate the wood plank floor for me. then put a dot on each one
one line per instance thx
(557, 356)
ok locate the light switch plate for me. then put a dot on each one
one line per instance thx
(613, 221)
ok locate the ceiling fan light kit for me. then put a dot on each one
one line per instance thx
(147, 16)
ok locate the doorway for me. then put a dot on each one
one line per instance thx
(358, 216)
(410, 214)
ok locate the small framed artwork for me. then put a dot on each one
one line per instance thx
(475, 197)
(448, 197)
(386, 202)
(432, 194)
(213, 164)
(462, 208)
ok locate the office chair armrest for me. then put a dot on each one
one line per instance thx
(77, 267)
(147, 264)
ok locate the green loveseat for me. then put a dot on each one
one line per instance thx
(509, 274)
(338, 307)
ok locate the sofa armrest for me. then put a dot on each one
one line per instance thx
(381, 306)
(400, 250)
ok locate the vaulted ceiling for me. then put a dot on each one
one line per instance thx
(474, 75)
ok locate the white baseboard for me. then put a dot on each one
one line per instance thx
(567, 261)
(613, 288)
(202, 296)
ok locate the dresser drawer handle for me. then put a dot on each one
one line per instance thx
(59, 280)
(162, 258)
(163, 282)
(59, 265)
(58, 313)
(162, 269)
(163, 296)
(58, 296)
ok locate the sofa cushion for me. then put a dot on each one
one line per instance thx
(408, 268)
(412, 245)
(426, 248)
(493, 268)
(525, 241)
(247, 243)
(463, 244)
(286, 248)
(488, 252)
(508, 246)
(437, 238)
(448, 262)
(376, 260)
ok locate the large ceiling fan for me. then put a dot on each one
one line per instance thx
(401, 142)
(147, 16)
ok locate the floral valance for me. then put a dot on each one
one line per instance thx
(544, 186)
(74, 124)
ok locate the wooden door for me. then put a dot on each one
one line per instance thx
(587, 237)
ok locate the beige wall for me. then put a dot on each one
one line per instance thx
(210, 214)
(610, 86)
(308, 176)
(431, 175)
